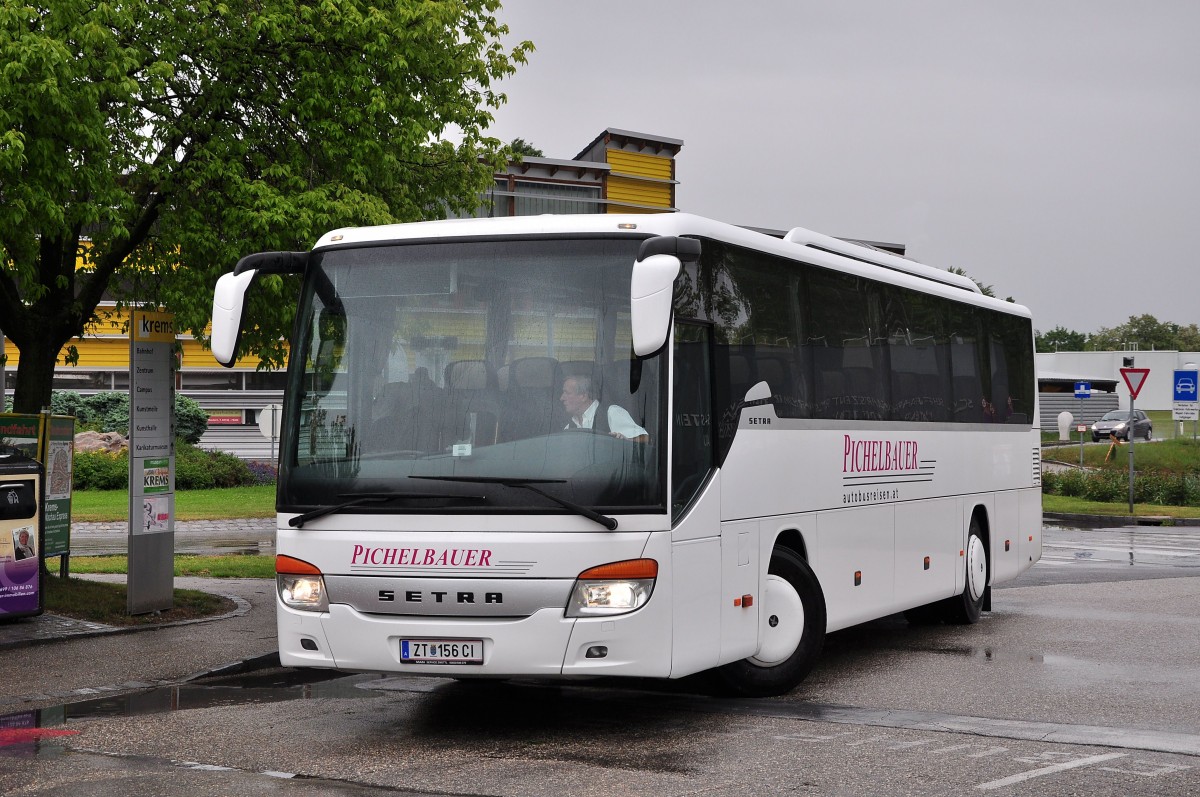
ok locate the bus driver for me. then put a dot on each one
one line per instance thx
(577, 399)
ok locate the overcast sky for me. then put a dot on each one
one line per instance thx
(1047, 148)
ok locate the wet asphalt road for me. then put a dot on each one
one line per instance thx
(1083, 680)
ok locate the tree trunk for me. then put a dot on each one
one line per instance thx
(35, 374)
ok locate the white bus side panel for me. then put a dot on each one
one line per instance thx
(713, 622)
(856, 564)
(1006, 530)
(928, 537)
(742, 572)
(694, 646)
(1030, 535)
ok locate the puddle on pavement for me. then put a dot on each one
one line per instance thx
(983, 654)
(21, 733)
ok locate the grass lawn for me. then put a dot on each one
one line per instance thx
(99, 602)
(222, 504)
(1082, 506)
(1174, 455)
(231, 566)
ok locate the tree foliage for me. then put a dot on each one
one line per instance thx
(520, 146)
(1060, 339)
(986, 290)
(1145, 333)
(162, 141)
(1139, 333)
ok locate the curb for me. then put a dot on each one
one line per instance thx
(89, 630)
(266, 661)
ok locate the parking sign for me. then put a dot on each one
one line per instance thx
(1185, 386)
(1183, 406)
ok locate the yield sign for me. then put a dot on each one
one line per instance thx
(1135, 378)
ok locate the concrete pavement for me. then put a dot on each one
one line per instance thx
(51, 659)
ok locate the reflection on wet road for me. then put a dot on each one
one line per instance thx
(1079, 555)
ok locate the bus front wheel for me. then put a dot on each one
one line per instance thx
(793, 612)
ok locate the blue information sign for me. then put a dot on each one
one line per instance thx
(1185, 386)
(1083, 390)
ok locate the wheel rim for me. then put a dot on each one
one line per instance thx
(779, 642)
(976, 568)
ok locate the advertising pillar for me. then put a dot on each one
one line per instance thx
(151, 462)
(21, 535)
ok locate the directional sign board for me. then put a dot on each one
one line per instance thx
(1083, 390)
(151, 541)
(1184, 406)
(1134, 379)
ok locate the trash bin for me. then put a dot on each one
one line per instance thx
(20, 535)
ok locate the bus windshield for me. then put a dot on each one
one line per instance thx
(444, 377)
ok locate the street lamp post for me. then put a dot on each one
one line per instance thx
(1130, 435)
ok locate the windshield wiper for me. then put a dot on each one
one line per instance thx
(528, 484)
(358, 499)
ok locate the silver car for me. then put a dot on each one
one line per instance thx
(1117, 423)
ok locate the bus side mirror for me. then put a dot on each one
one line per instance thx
(650, 296)
(229, 298)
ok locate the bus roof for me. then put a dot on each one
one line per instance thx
(799, 243)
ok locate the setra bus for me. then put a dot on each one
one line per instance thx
(645, 445)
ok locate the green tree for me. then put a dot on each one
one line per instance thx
(1144, 332)
(1060, 339)
(162, 141)
(1189, 338)
(520, 146)
(986, 290)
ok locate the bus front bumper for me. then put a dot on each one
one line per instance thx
(544, 644)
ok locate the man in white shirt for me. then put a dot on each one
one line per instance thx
(577, 399)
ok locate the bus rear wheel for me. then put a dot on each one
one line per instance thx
(966, 608)
(793, 607)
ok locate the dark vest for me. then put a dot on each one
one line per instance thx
(599, 420)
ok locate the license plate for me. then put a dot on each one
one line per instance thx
(441, 651)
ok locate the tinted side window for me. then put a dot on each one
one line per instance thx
(966, 358)
(751, 300)
(845, 339)
(835, 346)
(919, 353)
(1011, 370)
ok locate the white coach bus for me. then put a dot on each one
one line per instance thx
(636, 445)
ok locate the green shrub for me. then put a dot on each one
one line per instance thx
(67, 402)
(100, 470)
(109, 412)
(1112, 486)
(1106, 486)
(190, 420)
(200, 469)
(195, 469)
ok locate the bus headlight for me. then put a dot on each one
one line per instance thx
(616, 588)
(300, 585)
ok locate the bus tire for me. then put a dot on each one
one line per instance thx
(794, 610)
(966, 608)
